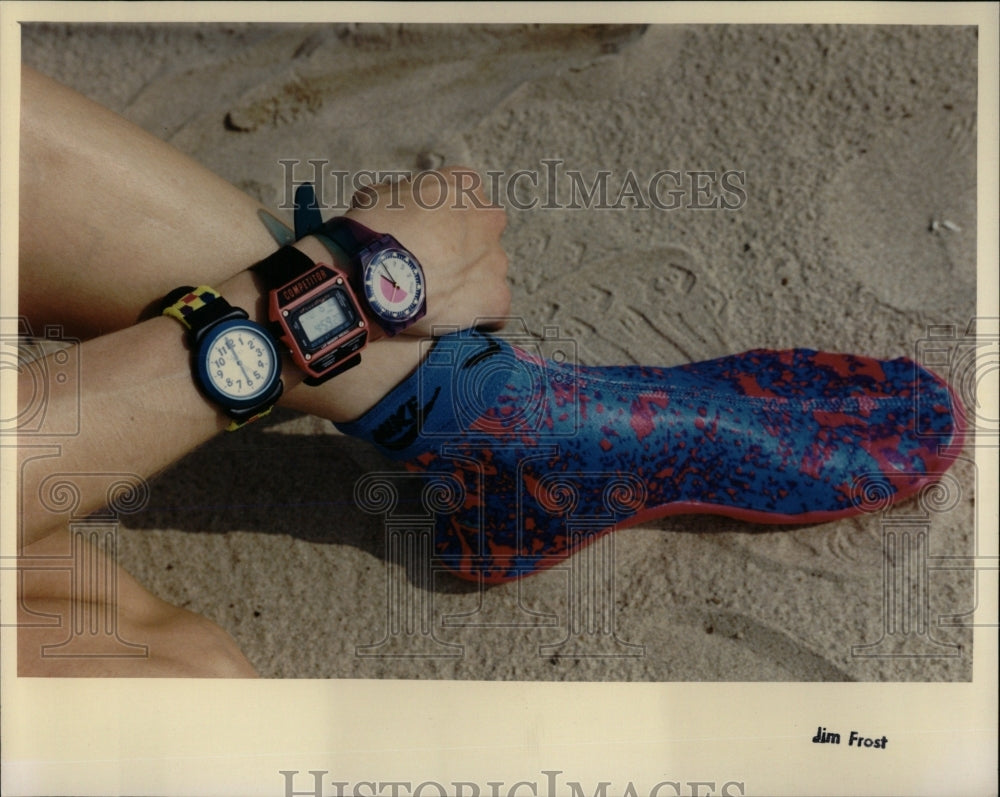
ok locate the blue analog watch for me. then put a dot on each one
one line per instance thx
(234, 360)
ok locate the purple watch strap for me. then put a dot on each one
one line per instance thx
(346, 235)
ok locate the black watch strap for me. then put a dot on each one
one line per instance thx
(282, 267)
(344, 237)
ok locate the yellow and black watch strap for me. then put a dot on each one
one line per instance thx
(199, 309)
(184, 302)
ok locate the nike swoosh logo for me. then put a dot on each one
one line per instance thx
(400, 430)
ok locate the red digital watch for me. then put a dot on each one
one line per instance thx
(314, 312)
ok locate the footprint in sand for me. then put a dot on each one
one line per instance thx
(909, 202)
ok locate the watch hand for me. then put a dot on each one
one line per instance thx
(239, 362)
(393, 294)
(388, 276)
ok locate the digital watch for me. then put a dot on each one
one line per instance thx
(234, 361)
(314, 312)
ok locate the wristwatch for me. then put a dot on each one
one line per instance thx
(235, 361)
(314, 312)
(388, 277)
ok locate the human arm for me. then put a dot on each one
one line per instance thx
(113, 218)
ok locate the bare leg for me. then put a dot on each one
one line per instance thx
(176, 642)
(111, 220)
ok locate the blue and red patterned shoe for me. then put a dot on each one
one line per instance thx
(546, 456)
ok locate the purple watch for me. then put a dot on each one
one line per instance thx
(387, 276)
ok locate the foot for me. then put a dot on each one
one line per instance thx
(550, 455)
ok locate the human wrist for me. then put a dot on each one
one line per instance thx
(245, 289)
(352, 393)
(320, 251)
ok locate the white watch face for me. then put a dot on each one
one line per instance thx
(394, 285)
(241, 362)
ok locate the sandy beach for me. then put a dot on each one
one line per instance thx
(836, 210)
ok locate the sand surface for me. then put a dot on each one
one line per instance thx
(855, 144)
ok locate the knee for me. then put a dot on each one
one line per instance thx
(168, 643)
(189, 645)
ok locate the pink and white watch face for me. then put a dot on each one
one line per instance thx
(394, 285)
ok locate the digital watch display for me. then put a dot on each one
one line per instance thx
(320, 322)
(327, 317)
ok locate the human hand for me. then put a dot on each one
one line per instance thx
(445, 219)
